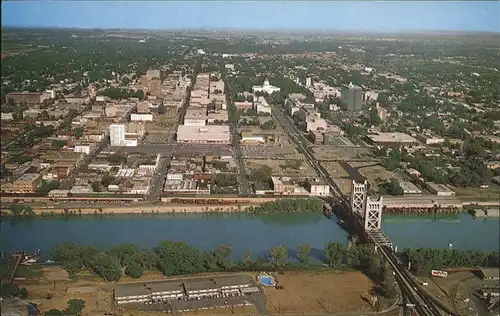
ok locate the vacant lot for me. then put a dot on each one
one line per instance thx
(319, 293)
(374, 173)
(269, 151)
(341, 153)
(290, 167)
(478, 193)
(339, 175)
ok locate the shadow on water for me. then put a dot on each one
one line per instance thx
(408, 218)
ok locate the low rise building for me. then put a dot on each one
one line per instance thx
(217, 117)
(392, 139)
(245, 105)
(439, 189)
(318, 187)
(409, 188)
(186, 186)
(204, 134)
(27, 183)
(262, 106)
(429, 139)
(195, 117)
(283, 185)
(141, 117)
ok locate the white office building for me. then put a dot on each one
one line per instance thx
(308, 82)
(117, 134)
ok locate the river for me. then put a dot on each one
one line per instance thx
(256, 233)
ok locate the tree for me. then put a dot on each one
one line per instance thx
(247, 258)
(334, 252)
(177, 258)
(79, 132)
(106, 180)
(221, 255)
(96, 187)
(58, 143)
(278, 255)
(47, 186)
(303, 254)
(134, 266)
(69, 257)
(107, 267)
(54, 312)
(161, 109)
(116, 159)
(393, 187)
(124, 252)
(125, 81)
(75, 306)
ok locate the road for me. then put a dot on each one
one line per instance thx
(244, 186)
(424, 306)
(82, 166)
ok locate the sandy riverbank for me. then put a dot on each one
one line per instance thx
(138, 209)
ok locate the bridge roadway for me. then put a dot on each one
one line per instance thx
(423, 305)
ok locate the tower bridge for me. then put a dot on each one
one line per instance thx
(366, 214)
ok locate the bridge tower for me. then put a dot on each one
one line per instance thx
(359, 192)
(373, 214)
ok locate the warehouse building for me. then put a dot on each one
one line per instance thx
(392, 139)
(439, 189)
(218, 134)
(409, 188)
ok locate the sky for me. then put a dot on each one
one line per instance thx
(388, 16)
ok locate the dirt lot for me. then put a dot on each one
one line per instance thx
(339, 175)
(292, 168)
(373, 172)
(319, 293)
(489, 193)
(341, 153)
(269, 151)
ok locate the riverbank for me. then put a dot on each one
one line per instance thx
(136, 210)
(491, 213)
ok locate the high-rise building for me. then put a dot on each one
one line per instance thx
(153, 73)
(350, 97)
(308, 82)
(117, 134)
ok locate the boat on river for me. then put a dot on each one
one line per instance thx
(27, 259)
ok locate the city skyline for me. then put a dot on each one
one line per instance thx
(376, 17)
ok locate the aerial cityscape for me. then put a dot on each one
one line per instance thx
(192, 158)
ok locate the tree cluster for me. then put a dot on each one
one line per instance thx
(178, 258)
(290, 206)
(423, 260)
(118, 94)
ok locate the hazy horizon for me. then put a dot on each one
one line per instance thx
(293, 16)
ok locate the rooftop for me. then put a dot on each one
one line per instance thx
(490, 273)
(28, 177)
(392, 138)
